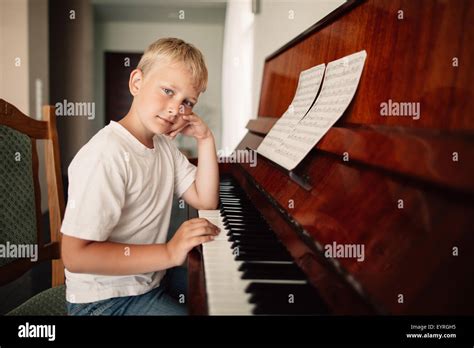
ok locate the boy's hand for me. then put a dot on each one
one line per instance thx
(195, 127)
(177, 127)
(190, 234)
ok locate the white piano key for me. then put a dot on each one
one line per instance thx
(224, 286)
(225, 289)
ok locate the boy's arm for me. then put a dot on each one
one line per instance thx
(204, 192)
(111, 258)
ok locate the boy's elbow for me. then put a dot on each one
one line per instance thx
(213, 206)
(70, 250)
(209, 204)
(69, 263)
(70, 266)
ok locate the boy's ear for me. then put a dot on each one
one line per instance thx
(135, 82)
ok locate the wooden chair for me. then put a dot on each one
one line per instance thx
(20, 204)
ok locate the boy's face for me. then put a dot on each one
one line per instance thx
(163, 95)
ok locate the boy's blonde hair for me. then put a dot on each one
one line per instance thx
(176, 50)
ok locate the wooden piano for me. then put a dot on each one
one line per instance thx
(401, 187)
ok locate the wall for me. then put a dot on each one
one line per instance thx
(237, 74)
(24, 35)
(71, 46)
(284, 20)
(14, 80)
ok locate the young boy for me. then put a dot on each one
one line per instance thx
(121, 186)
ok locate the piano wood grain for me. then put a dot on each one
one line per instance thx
(401, 194)
(408, 60)
(421, 154)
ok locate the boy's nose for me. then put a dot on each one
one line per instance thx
(173, 110)
(171, 115)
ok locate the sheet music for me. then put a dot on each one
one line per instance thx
(339, 86)
(308, 86)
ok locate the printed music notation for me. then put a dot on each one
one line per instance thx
(290, 143)
(308, 86)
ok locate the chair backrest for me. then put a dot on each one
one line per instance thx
(22, 245)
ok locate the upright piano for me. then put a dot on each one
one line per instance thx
(401, 187)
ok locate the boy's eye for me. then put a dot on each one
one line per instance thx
(168, 91)
(188, 104)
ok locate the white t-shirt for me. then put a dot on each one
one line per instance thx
(122, 191)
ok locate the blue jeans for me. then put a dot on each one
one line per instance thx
(163, 300)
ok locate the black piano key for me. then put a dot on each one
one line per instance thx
(271, 271)
(250, 233)
(224, 205)
(262, 247)
(245, 225)
(260, 251)
(274, 298)
(280, 307)
(236, 215)
(234, 218)
(250, 238)
(262, 256)
(271, 275)
(249, 229)
(252, 219)
(242, 205)
(243, 217)
(266, 290)
(240, 215)
(268, 244)
(235, 210)
(243, 232)
(245, 222)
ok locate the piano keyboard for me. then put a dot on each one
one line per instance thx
(247, 269)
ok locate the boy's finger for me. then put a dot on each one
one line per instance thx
(191, 118)
(197, 220)
(198, 225)
(203, 231)
(202, 239)
(203, 225)
(179, 125)
(176, 131)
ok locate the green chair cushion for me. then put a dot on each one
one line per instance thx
(48, 302)
(17, 193)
